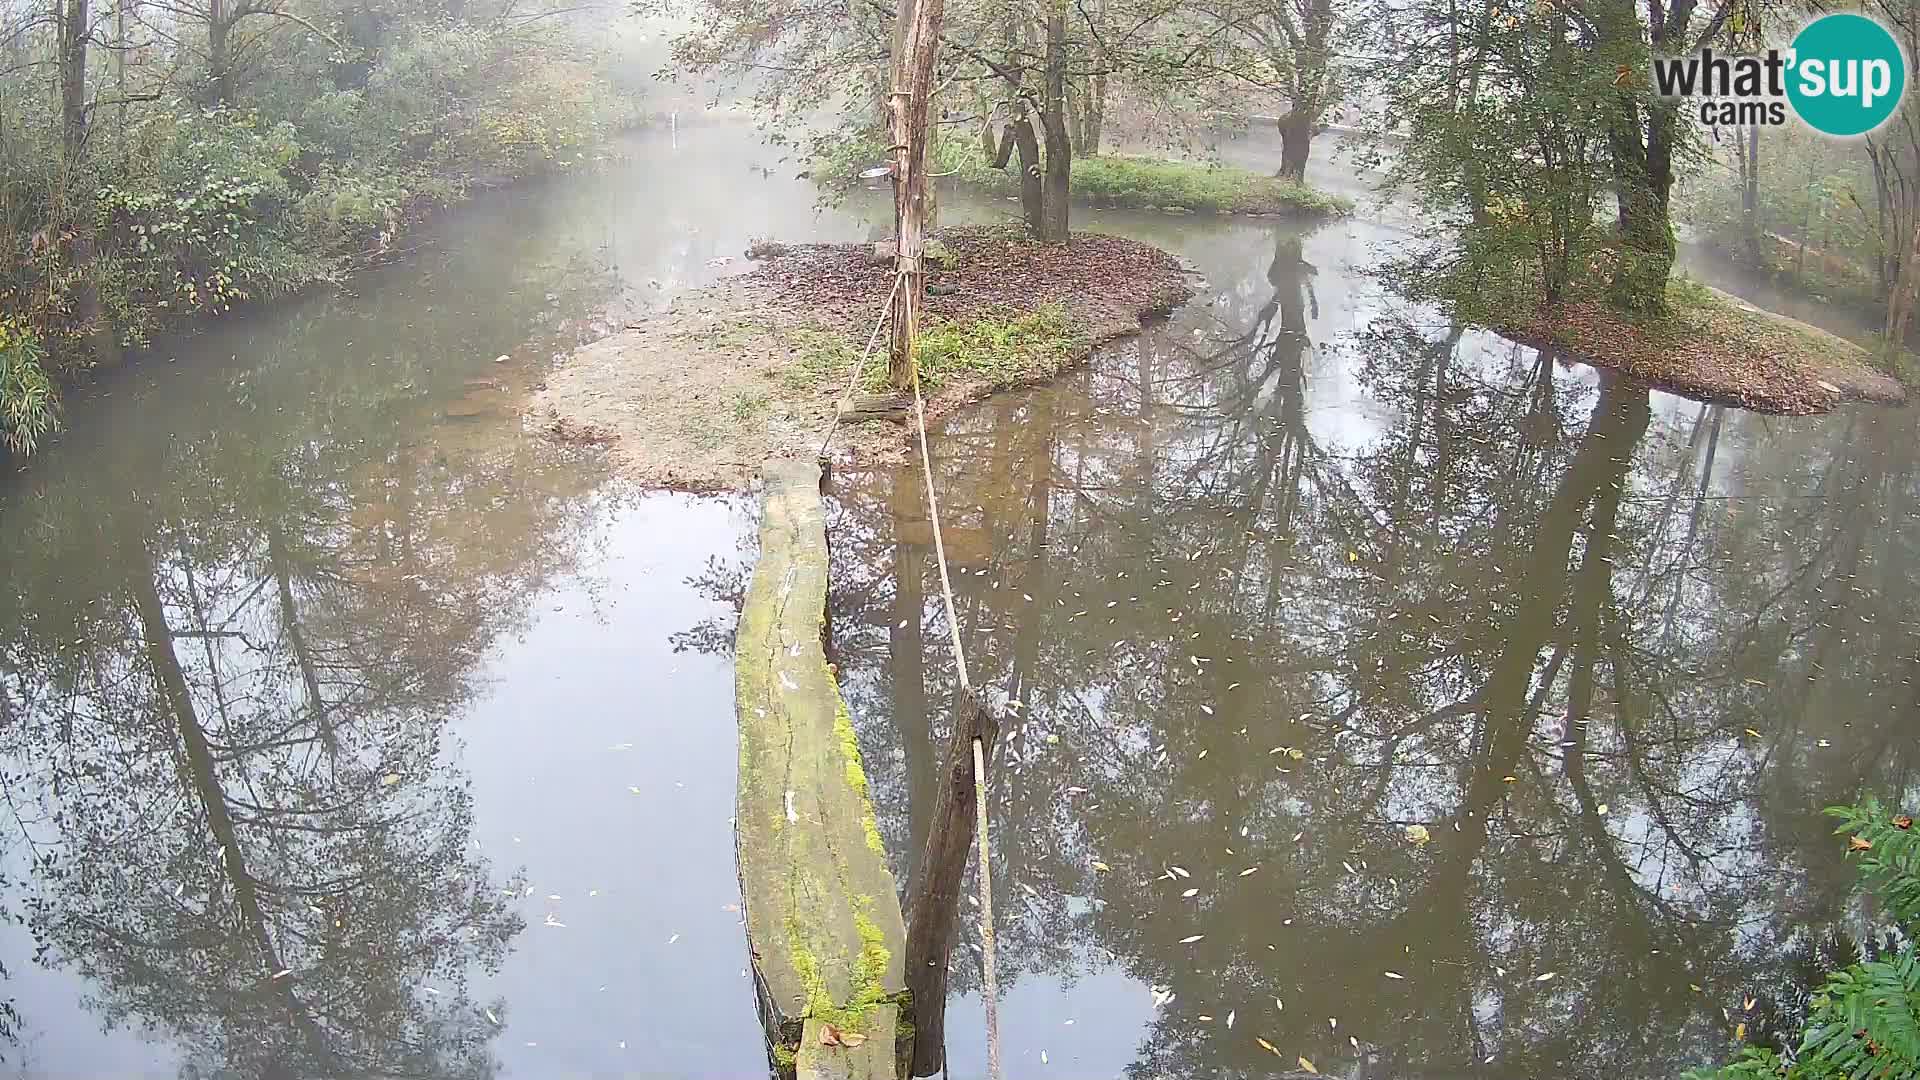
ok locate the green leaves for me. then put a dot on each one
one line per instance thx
(1890, 864)
(1865, 1020)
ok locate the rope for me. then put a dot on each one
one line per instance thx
(992, 990)
(860, 365)
(991, 979)
(939, 544)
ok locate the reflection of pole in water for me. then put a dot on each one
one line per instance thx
(673, 126)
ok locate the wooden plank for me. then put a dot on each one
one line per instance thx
(823, 915)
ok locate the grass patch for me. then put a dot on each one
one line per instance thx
(819, 356)
(1208, 188)
(1126, 181)
(1001, 347)
(746, 404)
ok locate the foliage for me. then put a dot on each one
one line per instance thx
(27, 410)
(328, 129)
(1002, 348)
(1865, 1020)
(1107, 180)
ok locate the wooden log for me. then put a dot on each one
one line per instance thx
(873, 1059)
(934, 905)
(858, 407)
(823, 923)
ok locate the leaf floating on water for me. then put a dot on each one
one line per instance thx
(281, 974)
(1753, 733)
(1267, 1046)
(1249, 870)
(1333, 1024)
(1601, 810)
(1509, 779)
(1043, 1057)
(1394, 975)
(1191, 939)
(1417, 834)
(1102, 867)
(1308, 1065)
(1180, 871)
(1208, 709)
(1280, 1005)
(1545, 977)
(1229, 1019)
(1189, 894)
(390, 779)
(492, 1018)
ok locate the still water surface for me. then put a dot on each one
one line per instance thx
(346, 730)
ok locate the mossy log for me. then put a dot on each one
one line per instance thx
(823, 917)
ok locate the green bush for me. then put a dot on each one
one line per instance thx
(27, 404)
(1865, 1020)
(199, 221)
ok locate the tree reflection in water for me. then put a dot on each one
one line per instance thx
(227, 668)
(1611, 650)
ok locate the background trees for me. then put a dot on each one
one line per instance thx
(161, 158)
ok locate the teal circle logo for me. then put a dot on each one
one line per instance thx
(1848, 75)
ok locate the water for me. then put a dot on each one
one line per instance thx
(315, 663)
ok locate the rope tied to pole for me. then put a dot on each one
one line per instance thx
(990, 990)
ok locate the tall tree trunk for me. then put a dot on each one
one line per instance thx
(71, 212)
(1059, 178)
(1296, 143)
(911, 92)
(1093, 117)
(1750, 194)
(1642, 142)
(1032, 193)
(219, 52)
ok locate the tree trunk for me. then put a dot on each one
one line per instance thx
(1059, 177)
(909, 107)
(1296, 142)
(1642, 142)
(1750, 194)
(933, 905)
(219, 55)
(1032, 194)
(73, 83)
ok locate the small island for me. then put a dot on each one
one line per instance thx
(758, 365)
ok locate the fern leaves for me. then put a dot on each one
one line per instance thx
(1890, 861)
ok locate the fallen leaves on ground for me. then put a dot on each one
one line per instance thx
(1714, 348)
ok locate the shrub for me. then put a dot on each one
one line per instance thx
(27, 404)
(1865, 1020)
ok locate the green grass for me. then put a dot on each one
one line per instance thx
(820, 356)
(1120, 181)
(1003, 348)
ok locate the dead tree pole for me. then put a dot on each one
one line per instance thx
(907, 108)
(933, 901)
